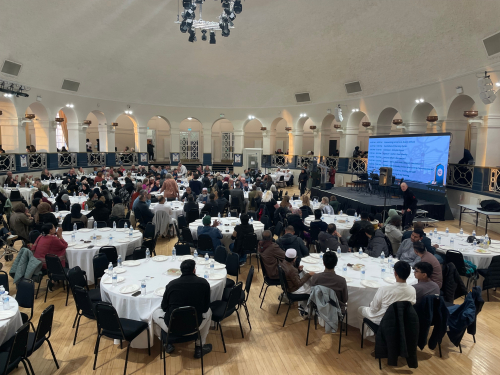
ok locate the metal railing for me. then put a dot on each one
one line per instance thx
(495, 180)
(96, 158)
(37, 160)
(330, 161)
(357, 165)
(66, 159)
(460, 175)
(7, 162)
(126, 158)
(281, 161)
(304, 160)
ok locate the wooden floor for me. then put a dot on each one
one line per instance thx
(266, 349)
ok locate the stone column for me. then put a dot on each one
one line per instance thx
(317, 142)
(416, 127)
(297, 142)
(487, 149)
(239, 141)
(325, 142)
(350, 140)
(45, 133)
(382, 129)
(141, 139)
(266, 142)
(458, 128)
(13, 135)
(175, 139)
(103, 138)
(206, 157)
(272, 142)
(76, 137)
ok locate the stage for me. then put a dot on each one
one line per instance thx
(361, 201)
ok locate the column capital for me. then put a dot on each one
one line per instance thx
(297, 132)
(239, 133)
(492, 121)
(142, 130)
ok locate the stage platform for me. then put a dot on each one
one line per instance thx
(361, 201)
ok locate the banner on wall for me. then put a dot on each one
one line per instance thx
(176, 157)
(24, 161)
(238, 160)
(144, 157)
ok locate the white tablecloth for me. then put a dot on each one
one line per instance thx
(360, 295)
(8, 327)
(46, 182)
(62, 214)
(468, 250)
(142, 307)
(26, 193)
(175, 209)
(83, 257)
(342, 228)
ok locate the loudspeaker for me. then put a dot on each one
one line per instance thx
(326, 186)
(385, 176)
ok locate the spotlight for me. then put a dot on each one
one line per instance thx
(421, 100)
(186, 4)
(8, 95)
(230, 14)
(190, 118)
(212, 37)
(128, 112)
(204, 35)
(417, 101)
(226, 31)
(251, 117)
(69, 105)
(355, 109)
(497, 84)
(237, 7)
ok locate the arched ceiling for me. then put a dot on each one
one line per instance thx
(132, 51)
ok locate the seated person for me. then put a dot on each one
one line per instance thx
(290, 241)
(207, 208)
(271, 254)
(331, 239)
(187, 290)
(325, 206)
(393, 232)
(330, 279)
(93, 198)
(306, 206)
(44, 215)
(334, 203)
(46, 175)
(118, 209)
(358, 237)
(317, 225)
(222, 202)
(425, 240)
(373, 221)
(239, 233)
(406, 252)
(100, 212)
(387, 295)
(156, 186)
(425, 286)
(161, 205)
(75, 215)
(187, 192)
(296, 284)
(143, 215)
(376, 243)
(190, 204)
(203, 197)
(425, 256)
(295, 220)
(211, 230)
(21, 221)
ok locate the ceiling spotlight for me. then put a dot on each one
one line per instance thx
(237, 7)
(251, 117)
(421, 100)
(355, 109)
(8, 95)
(212, 37)
(204, 35)
(497, 84)
(192, 35)
(190, 118)
(69, 105)
(159, 116)
(128, 112)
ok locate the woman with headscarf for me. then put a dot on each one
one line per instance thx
(21, 221)
(44, 215)
(75, 215)
(33, 209)
(392, 213)
(39, 194)
(90, 204)
(62, 201)
(100, 212)
(303, 177)
(118, 210)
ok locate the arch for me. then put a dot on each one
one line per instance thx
(354, 120)
(253, 137)
(158, 131)
(386, 116)
(222, 125)
(125, 132)
(9, 111)
(39, 110)
(460, 104)
(301, 122)
(327, 122)
(222, 145)
(69, 114)
(39, 139)
(420, 112)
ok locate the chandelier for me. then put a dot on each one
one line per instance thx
(189, 23)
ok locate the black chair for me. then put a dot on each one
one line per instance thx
(122, 222)
(100, 263)
(111, 254)
(182, 248)
(220, 255)
(84, 307)
(33, 235)
(232, 268)
(205, 245)
(77, 277)
(56, 272)
(350, 212)
(25, 298)
(150, 238)
(79, 224)
(491, 275)
(17, 352)
(192, 215)
(4, 280)
(266, 221)
(101, 224)
(224, 309)
(244, 296)
(187, 236)
(252, 214)
(267, 281)
(214, 211)
(138, 253)
(341, 317)
(278, 229)
(177, 232)
(457, 258)
(181, 220)
(249, 246)
(110, 325)
(291, 296)
(42, 333)
(182, 327)
(379, 218)
(149, 231)
(235, 204)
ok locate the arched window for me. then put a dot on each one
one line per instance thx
(60, 138)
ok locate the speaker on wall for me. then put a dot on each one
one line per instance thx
(385, 176)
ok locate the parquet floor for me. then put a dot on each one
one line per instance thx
(266, 349)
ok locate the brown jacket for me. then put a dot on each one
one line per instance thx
(271, 254)
(170, 189)
(333, 281)
(293, 280)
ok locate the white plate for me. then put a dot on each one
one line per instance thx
(131, 263)
(121, 229)
(314, 255)
(313, 268)
(202, 262)
(389, 280)
(83, 246)
(160, 291)
(127, 289)
(137, 235)
(70, 232)
(482, 251)
(219, 266)
(123, 240)
(64, 212)
(71, 244)
(109, 280)
(185, 257)
(309, 260)
(104, 229)
(84, 230)
(365, 255)
(348, 279)
(370, 284)
(217, 276)
(117, 270)
(7, 314)
(160, 258)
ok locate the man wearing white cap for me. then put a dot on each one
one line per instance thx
(296, 284)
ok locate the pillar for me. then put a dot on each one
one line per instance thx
(487, 150)
(239, 141)
(266, 143)
(317, 142)
(175, 139)
(382, 129)
(76, 137)
(297, 142)
(458, 128)
(141, 139)
(416, 127)
(272, 142)
(206, 141)
(350, 140)
(104, 134)
(45, 133)
(13, 135)
(325, 142)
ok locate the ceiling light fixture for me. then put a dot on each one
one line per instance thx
(69, 105)
(12, 89)
(419, 100)
(190, 118)
(128, 112)
(485, 86)
(251, 117)
(303, 115)
(355, 109)
(338, 114)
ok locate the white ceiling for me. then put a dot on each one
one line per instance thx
(132, 51)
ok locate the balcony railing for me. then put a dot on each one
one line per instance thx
(281, 161)
(126, 158)
(7, 162)
(495, 180)
(460, 175)
(304, 160)
(66, 159)
(96, 158)
(357, 165)
(37, 160)
(330, 161)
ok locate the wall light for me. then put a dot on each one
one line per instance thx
(355, 109)
(497, 84)
(251, 117)
(69, 105)
(190, 118)
(128, 112)
(8, 95)
(419, 100)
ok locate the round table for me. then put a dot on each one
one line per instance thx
(481, 259)
(359, 295)
(175, 208)
(155, 274)
(9, 326)
(78, 254)
(62, 214)
(26, 193)
(46, 182)
(343, 222)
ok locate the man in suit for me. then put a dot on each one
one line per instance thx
(238, 193)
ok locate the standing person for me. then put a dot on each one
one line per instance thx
(303, 177)
(88, 145)
(170, 189)
(409, 205)
(181, 171)
(151, 148)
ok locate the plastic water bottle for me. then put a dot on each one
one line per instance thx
(251, 220)
(339, 251)
(143, 287)
(57, 209)
(344, 269)
(474, 233)
(452, 243)
(148, 254)
(335, 219)
(125, 226)
(382, 257)
(435, 230)
(94, 238)
(322, 218)
(461, 231)
(486, 241)
(212, 266)
(321, 256)
(390, 260)
(119, 261)
(110, 268)
(110, 238)
(73, 236)
(219, 215)
(229, 214)
(363, 273)
(17, 186)
(430, 234)
(177, 199)
(95, 225)
(130, 233)
(447, 230)
(341, 212)
(174, 254)
(6, 302)
(207, 258)
(360, 252)
(382, 271)
(439, 239)
(114, 225)
(114, 279)
(195, 254)
(2, 292)
(474, 243)
(205, 274)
